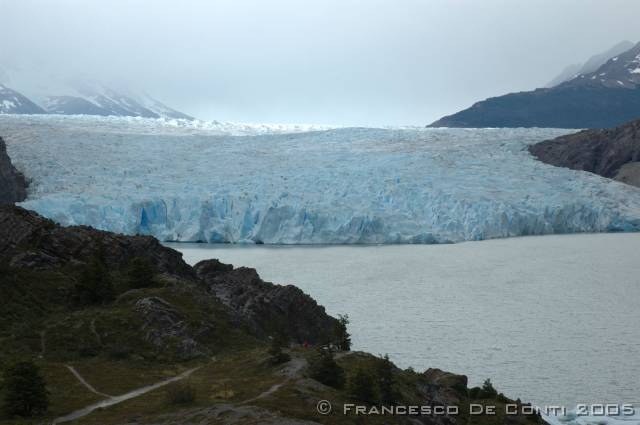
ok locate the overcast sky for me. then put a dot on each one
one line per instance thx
(352, 62)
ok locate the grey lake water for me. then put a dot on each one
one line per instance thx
(551, 319)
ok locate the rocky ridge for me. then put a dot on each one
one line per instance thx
(612, 153)
(13, 185)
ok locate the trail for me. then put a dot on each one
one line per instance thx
(293, 367)
(84, 382)
(118, 399)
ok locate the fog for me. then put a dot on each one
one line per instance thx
(350, 62)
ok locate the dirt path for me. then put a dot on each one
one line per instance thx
(293, 367)
(110, 401)
(84, 382)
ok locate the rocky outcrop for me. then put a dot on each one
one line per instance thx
(29, 240)
(165, 326)
(610, 153)
(13, 186)
(264, 308)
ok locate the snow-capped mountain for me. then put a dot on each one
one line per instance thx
(96, 99)
(34, 93)
(621, 71)
(13, 102)
(591, 65)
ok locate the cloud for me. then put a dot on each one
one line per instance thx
(328, 61)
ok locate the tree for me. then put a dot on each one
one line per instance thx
(141, 273)
(275, 351)
(94, 286)
(25, 390)
(487, 390)
(323, 368)
(388, 393)
(361, 386)
(342, 338)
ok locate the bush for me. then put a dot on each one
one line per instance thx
(140, 274)
(180, 393)
(25, 390)
(342, 338)
(323, 368)
(361, 386)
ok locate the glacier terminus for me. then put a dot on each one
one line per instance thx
(230, 183)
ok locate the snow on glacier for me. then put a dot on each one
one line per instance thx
(218, 182)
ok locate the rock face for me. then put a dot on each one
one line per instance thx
(266, 309)
(606, 97)
(13, 186)
(610, 153)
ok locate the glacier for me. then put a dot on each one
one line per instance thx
(238, 183)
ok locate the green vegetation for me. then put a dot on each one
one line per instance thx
(25, 392)
(323, 368)
(360, 386)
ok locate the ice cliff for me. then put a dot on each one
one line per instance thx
(195, 182)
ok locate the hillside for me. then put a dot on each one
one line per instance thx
(607, 97)
(123, 331)
(208, 326)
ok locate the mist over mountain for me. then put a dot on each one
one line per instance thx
(591, 65)
(28, 92)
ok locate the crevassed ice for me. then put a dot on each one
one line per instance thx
(347, 185)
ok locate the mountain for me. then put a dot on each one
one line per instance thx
(13, 102)
(607, 97)
(613, 153)
(96, 99)
(591, 65)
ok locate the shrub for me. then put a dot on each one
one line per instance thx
(342, 338)
(323, 368)
(140, 274)
(25, 390)
(180, 393)
(361, 386)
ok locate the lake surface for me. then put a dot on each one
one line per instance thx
(550, 319)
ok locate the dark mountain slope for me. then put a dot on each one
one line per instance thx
(606, 97)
